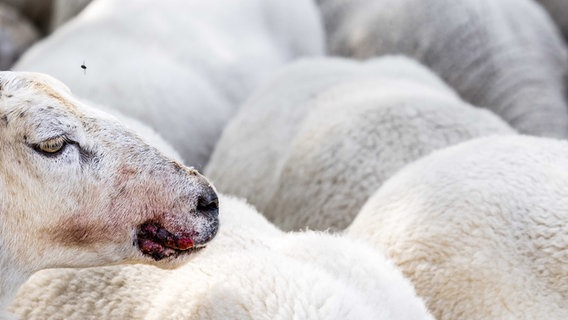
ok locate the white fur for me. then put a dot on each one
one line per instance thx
(146, 133)
(182, 66)
(310, 147)
(504, 55)
(250, 271)
(480, 228)
(82, 206)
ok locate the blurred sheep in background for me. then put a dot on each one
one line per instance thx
(505, 55)
(312, 145)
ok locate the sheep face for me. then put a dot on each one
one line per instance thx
(77, 189)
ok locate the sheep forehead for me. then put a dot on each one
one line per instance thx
(44, 108)
(46, 105)
(21, 90)
(30, 83)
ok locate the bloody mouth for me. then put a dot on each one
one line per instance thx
(158, 243)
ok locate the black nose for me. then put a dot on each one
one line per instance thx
(208, 207)
(208, 204)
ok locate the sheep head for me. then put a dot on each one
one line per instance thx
(78, 189)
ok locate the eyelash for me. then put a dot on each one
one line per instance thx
(52, 147)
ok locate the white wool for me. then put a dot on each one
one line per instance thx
(504, 55)
(312, 145)
(250, 271)
(181, 66)
(479, 228)
(146, 133)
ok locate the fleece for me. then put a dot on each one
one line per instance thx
(479, 228)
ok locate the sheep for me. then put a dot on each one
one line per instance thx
(309, 147)
(479, 228)
(16, 35)
(144, 132)
(182, 67)
(250, 271)
(558, 10)
(78, 189)
(504, 55)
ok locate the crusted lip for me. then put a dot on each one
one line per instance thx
(158, 243)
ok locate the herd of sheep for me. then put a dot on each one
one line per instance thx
(361, 159)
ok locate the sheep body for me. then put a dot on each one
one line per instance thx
(146, 133)
(181, 67)
(503, 55)
(326, 133)
(479, 228)
(251, 271)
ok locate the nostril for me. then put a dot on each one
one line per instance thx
(208, 203)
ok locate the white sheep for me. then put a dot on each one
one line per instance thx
(143, 131)
(250, 271)
(78, 189)
(310, 147)
(504, 55)
(181, 66)
(479, 228)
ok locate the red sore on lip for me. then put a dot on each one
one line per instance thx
(184, 243)
(154, 240)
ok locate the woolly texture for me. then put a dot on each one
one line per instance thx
(504, 55)
(250, 271)
(310, 147)
(479, 228)
(146, 133)
(181, 66)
